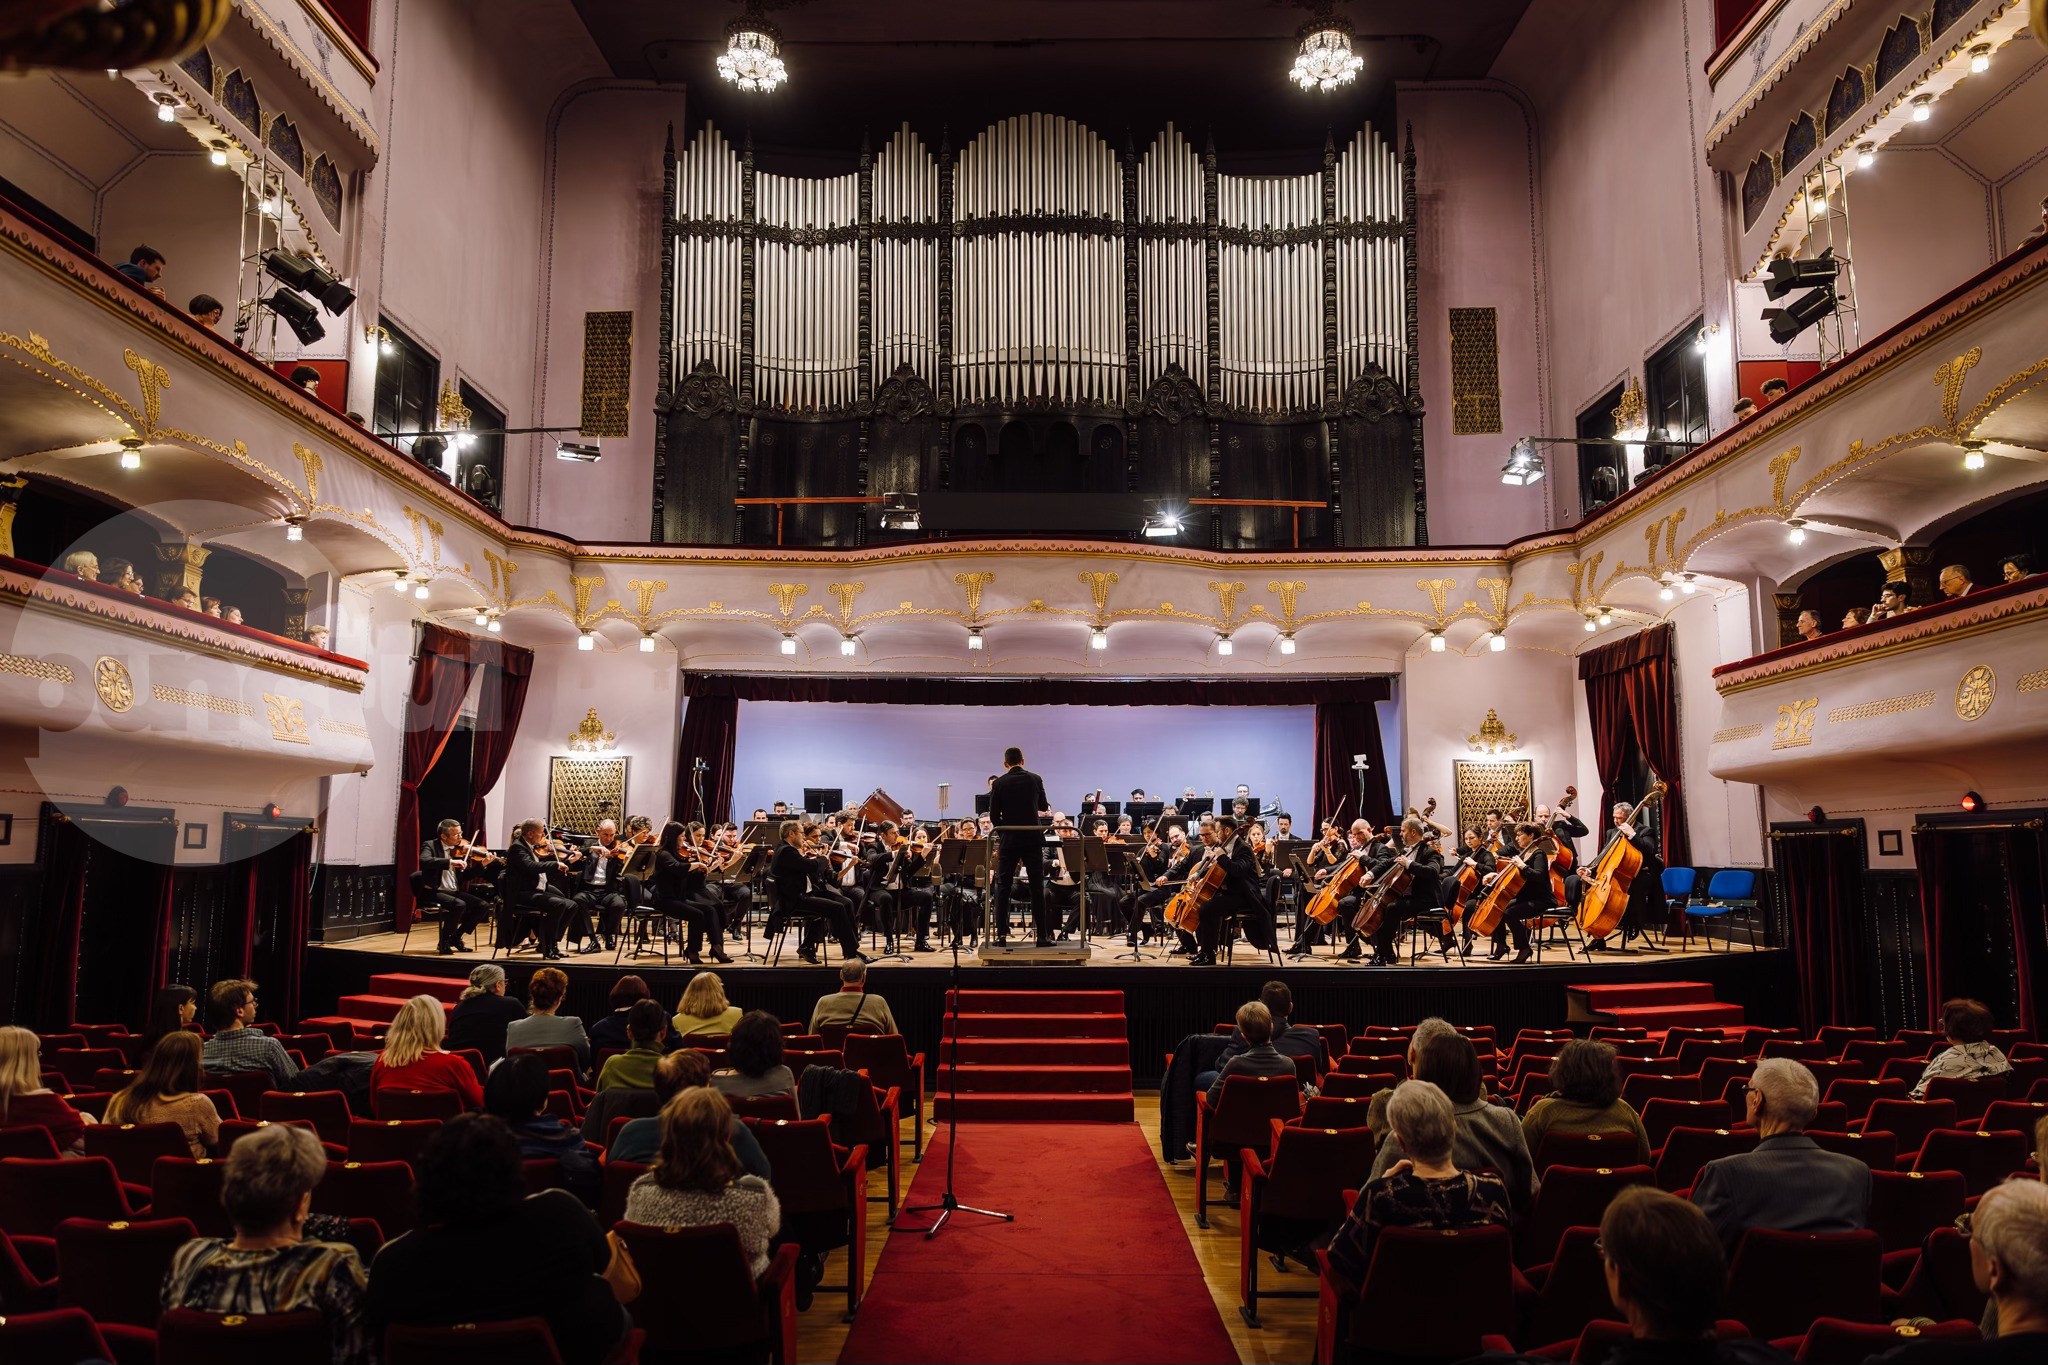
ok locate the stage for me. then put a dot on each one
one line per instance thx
(1165, 998)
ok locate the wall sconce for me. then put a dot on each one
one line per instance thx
(591, 737)
(1493, 737)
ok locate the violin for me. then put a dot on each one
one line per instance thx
(472, 851)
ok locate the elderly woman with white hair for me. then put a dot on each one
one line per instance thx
(482, 1015)
(1789, 1183)
(1424, 1190)
(414, 1060)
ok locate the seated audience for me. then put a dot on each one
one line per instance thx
(859, 1009)
(166, 1090)
(209, 606)
(704, 1010)
(307, 378)
(171, 1011)
(1955, 581)
(640, 1139)
(183, 597)
(413, 1059)
(697, 1180)
(755, 1051)
(1970, 1054)
(1587, 1099)
(206, 310)
(145, 267)
(233, 615)
(634, 1068)
(1808, 626)
(83, 564)
(1789, 1183)
(1259, 1057)
(609, 1030)
(1894, 600)
(517, 1092)
(1426, 1189)
(1853, 618)
(542, 1026)
(1666, 1275)
(269, 1266)
(1488, 1135)
(2009, 1263)
(1773, 390)
(121, 574)
(1376, 1111)
(25, 1103)
(2013, 568)
(235, 1045)
(486, 1251)
(1289, 1038)
(484, 1012)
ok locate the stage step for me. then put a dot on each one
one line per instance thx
(1014, 1107)
(1620, 995)
(1037, 1025)
(1038, 1052)
(1036, 1002)
(1062, 1078)
(1657, 1018)
(447, 989)
(378, 1009)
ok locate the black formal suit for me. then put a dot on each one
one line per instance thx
(1244, 894)
(1425, 875)
(1645, 893)
(680, 893)
(893, 890)
(1151, 902)
(460, 910)
(791, 875)
(608, 898)
(1016, 799)
(527, 872)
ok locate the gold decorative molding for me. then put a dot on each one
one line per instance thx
(644, 590)
(584, 586)
(1889, 706)
(1738, 732)
(310, 464)
(786, 595)
(287, 716)
(2032, 682)
(974, 584)
(204, 701)
(1226, 590)
(1794, 729)
(29, 666)
(1493, 736)
(110, 678)
(1290, 590)
(591, 737)
(1099, 582)
(1975, 693)
(1439, 591)
(451, 412)
(1631, 413)
(344, 727)
(846, 593)
(1950, 376)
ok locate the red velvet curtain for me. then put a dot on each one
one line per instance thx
(1631, 693)
(291, 866)
(1342, 730)
(440, 679)
(124, 858)
(710, 725)
(65, 851)
(1821, 870)
(499, 706)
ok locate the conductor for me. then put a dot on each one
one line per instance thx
(1015, 801)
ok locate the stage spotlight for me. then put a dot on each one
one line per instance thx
(1971, 802)
(788, 643)
(1163, 525)
(1098, 638)
(647, 644)
(1437, 643)
(1287, 644)
(974, 638)
(1524, 466)
(1498, 642)
(298, 313)
(585, 641)
(1816, 275)
(581, 452)
(308, 275)
(847, 646)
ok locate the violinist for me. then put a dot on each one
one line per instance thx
(444, 859)
(1262, 853)
(598, 881)
(727, 855)
(1165, 864)
(680, 892)
(902, 882)
(1241, 896)
(1644, 893)
(1335, 848)
(538, 874)
(1425, 866)
(1533, 899)
(798, 893)
(1477, 858)
(1125, 832)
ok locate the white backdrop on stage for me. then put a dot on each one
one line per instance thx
(783, 747)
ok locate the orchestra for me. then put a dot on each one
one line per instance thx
(1183, 872)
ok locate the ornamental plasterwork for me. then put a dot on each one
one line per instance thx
(111, 680)
(1794, 729)
(1975, 693)
(1887, 706)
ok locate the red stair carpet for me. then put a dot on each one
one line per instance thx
(1096, 1268)
(1047, 1056)
(380, 1001)
(1653, 1005)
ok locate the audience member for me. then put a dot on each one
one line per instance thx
(320, 637)
(1259, 1057)
(1744, 409)
(233, 616)
(1488, 1135)
(853, 1005)
(235, 1045)
(1292, 1039)
(1789, 1183)
(2040, 228)
(755, 1051)
(1376, 1111)
(268, 1266)
(1587, 1099)
(183, 597)
(1970, 1054)
(2013, 568)
(83, 564)
(1896, 599)
(542, 1026)
(704, 1010)
(26, 1103)
(1955, 581)
(1773, 390)
(634, 1068)
(210, 605)
(1666, 1275)
(1426, 1189)
(166, 1090)
(413, 1059)
(145, 267)
(640, 1139)
(697, 1180)
(2009, 1262)
(1808, 626)
(486, 1251)
(206, 310)
(172, 1011)
(1852, 618)
(484, 1012)
(307, 378)
(121, 574)
(608, 1031)
(517, 1092)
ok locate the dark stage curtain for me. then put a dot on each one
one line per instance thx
(1040, 691)
(1343, 729)
(710, 724)
(499, 706)
(1822, 874)
(1631, 693)
(1979, 894)
(440, 680)
(287, 874)
(127, 858)
(66, 849)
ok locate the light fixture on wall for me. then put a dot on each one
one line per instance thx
(585, 641)
(1605, 617)
(1223, 646)
(1287, 643)
(1525, 464)
(1098, 638)
(1699, 341)
(752, 59)
(1324, 57)
(974, 638)
(131, 452)
(1980, 59)
(295, 527)
(1493, 737)
(1971, 802)
(1437, 643)
(899, 512)
(1687, 585)
(1922, 108)
(1866, 155)
(167, 106)
(848, 646)
(1665, 592)
(788, 643)
(401, 584)
(419, 589)
(591, 737)
(496, 627)
(217, 151)
(482, 617)
(1973, 454)
(1591, 625)
(375, 333)
(647, 642)
(1795, 530)
(1497, 641)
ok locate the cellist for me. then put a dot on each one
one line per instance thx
(1425, 872)
(1643, 893)
(1324, 859)
(1163, 866)
(1478, 857)
(1533, 898)
(1242, 895)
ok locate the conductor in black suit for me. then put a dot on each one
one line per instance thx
(1016, 800)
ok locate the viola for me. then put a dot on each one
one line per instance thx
(1605, 899)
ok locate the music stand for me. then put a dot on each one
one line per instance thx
(824, 800)
(1125, 857)
(751, 868)
(961, 858)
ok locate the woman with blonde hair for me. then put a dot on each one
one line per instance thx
(166, 1090)
(704, 1010)
(26, 1103)
(413, 1060)
(696, 1179)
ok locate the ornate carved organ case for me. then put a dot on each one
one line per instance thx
(1038, 313)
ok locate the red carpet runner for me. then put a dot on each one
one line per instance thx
(1096, 1267)
(1049, 1056)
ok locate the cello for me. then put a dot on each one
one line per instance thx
(1605, 899)
(1184, 911)
(1562, 859)
(1507, 880)
(1396, 881)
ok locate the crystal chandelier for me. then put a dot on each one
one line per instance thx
(753, 52)
(1325, 60)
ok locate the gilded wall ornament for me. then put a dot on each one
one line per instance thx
(1493, 737)
(287, 717)
(1975, 692)
(591, 737)
(1795, 724)
(110, 678)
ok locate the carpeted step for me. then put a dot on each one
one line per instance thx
(1606, 997)
(1038, 1052)
(381, 1009)
(1037, 1026)
(1014, 1107)
(447, 989)
(1059, 1079)
(1657, 1018)
(1035, 1002)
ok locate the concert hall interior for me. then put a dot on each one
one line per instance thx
(684, 644)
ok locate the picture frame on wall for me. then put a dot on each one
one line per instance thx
(583, 791)
(1891, 843)
(195, 837)
(6, 829)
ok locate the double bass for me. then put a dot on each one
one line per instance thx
(1561, 858)
(1605, 899)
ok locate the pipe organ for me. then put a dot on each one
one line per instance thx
(1040, 311)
